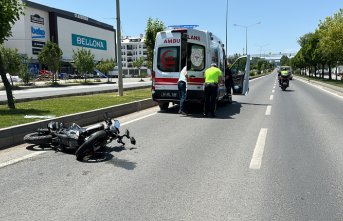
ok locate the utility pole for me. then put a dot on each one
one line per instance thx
(120, 70)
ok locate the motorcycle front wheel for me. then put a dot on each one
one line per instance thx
(38, 138)
(94, 141)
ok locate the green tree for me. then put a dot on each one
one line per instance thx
(106, 66)
(84, 62)
(10, 12)
(138, 63)
(10, 63)
(284, 61)
(153, 26)
(24, 69)
(51, 56)
(331, 38)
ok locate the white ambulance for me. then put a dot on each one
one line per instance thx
(196, 49)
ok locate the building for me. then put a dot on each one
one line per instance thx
(132, 49)
(69, 30)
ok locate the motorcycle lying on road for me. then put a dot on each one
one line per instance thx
(85, 142)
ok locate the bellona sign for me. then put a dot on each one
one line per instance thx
(88, 42)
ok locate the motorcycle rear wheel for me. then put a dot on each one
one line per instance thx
(38, 138)
(87, 147)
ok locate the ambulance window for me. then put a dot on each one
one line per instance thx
(168, 59)
(196, 56)
(214, 53)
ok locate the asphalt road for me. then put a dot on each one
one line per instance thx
(53, 91)
(271, 155)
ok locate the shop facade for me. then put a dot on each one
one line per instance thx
(69, 30)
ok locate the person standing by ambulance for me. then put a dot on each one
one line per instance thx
(212, 77)
(182, 86)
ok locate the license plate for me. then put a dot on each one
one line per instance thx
(169, 94)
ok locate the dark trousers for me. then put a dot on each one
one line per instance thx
(211, 93)
(182, 93)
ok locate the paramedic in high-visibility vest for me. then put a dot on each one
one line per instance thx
(212, 78)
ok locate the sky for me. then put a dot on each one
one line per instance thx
(282, 23)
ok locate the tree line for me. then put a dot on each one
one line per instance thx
(321, 49)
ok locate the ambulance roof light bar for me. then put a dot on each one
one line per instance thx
(182, 26)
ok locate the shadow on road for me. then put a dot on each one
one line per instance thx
(99, 157)
(224, 111)
(289, 90)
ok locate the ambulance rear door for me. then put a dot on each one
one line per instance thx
(167, 65)
(240, 71)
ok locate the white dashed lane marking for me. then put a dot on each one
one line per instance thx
(269, 110)
(256, 159)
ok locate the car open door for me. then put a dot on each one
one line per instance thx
(240, 71)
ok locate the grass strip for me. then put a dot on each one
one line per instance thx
(66, 105)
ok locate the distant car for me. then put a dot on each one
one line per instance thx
(13, 78)
(289, 69)
(114, 73)
(45, 72)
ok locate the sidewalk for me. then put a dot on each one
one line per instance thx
(71, 82)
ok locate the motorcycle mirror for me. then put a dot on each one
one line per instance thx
(117, 124)
(127, 133)
(133, 140)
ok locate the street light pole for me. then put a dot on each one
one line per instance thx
(119, 63)
(227, 5)
(246, 34)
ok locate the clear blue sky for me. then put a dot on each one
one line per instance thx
(282, 22)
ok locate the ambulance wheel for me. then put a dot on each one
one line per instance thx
(163, 105)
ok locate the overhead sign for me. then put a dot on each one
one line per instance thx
(37, 32)
(88, 42)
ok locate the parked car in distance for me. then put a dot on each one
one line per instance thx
(114, 73)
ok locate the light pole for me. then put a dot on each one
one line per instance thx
(246, 34)
(227, 5)
(120, 71)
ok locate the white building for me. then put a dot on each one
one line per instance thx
(69, 30)
(132, 49)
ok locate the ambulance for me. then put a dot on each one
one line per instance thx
(196, 49)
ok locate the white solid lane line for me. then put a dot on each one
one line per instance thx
(256, 159)
(269, 110)
(7, 163)
(137, 119)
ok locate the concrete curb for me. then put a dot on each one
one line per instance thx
(12, 136)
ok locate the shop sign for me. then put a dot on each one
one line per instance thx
(88, 42)
(38, 44)
(37, 19)
(82, 17)
(36, 50)
(37, 32)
